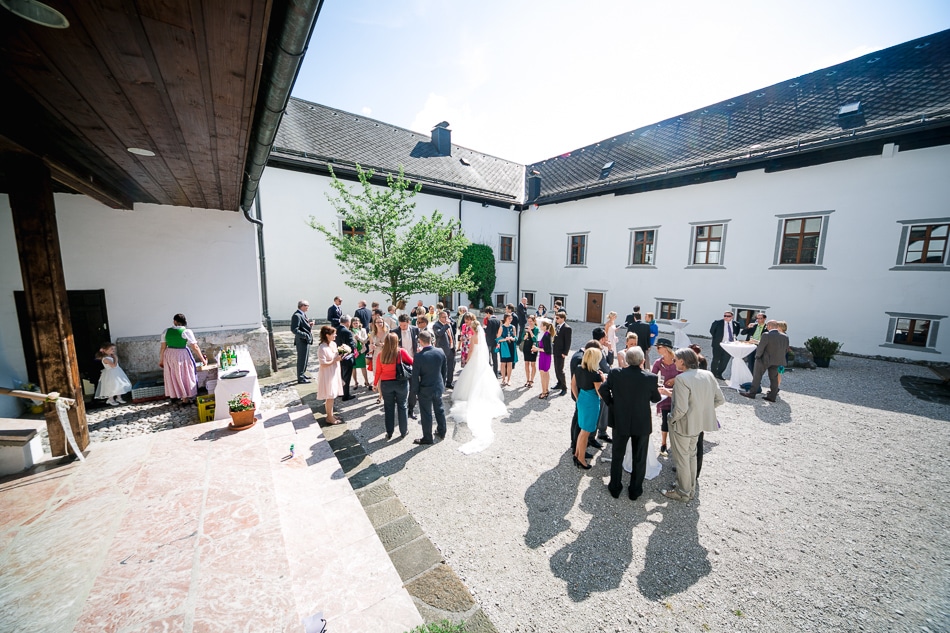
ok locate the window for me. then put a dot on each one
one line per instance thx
(501, 299)
(911, 332)
(917, 332)
(352, 231)
(577, 250)
(707, 244)
(745, 314)
(506, 248)
(667, 309)
(555, 299)
(800, 241)
(529, 295)
(642, 245)
(447, 301)
(923, 245)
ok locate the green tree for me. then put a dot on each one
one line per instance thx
(480, 260)
(391, 250)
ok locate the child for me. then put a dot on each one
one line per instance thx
(113, 382)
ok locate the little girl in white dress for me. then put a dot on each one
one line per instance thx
(113, 382)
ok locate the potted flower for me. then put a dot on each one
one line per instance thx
(241, 407)
(823, 349)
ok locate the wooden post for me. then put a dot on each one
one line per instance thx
(44, 285)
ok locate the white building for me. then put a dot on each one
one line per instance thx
(821, 200)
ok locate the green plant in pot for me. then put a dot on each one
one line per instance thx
(823, 349)
(241, 407)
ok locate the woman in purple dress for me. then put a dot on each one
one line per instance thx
(545, 350)
(665, 366)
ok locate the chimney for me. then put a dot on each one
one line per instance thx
(534, 185)
(442, 138)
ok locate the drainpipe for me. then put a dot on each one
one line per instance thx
(459, 294)
(518, 266)
(263, 268)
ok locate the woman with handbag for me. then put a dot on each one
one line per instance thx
(391, 379)
(378, 332)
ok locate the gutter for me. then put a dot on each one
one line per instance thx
(282, 59)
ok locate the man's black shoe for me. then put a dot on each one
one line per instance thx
(303, 381)
(412, 415)
(345, 398)
(422, 441)
(605, 438)
(594, 443)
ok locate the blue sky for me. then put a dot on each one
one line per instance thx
(529, 80)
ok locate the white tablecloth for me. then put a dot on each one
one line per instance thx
(228, 387)
(740, 372)
(680, 339)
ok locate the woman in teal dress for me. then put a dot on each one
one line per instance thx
(507, 343)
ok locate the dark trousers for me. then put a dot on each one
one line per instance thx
(757, 373)
(720, 360)
(395, 393)
(346, 373)
(575, 427)
(411, 400)
(699, 453)
(449, 366)
(641, 444)
(303, 357)
(559, 372)
(430, 401)
(493, 352)
(602, 419)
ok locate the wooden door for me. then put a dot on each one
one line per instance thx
(595, 307)
(90, 323)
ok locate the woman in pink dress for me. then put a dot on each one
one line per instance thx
(329, 378)
(177, 359)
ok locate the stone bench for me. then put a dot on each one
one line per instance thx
(19, 450)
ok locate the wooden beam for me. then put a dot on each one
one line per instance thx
(44, 285)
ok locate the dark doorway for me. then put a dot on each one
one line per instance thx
(90, 322)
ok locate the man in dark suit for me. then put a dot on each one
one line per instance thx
(345, 337)
(725, 329)
(628, 392)
(492, 326)
(560, 348)
(428, 378)
(642, 330)
(522, 316)
(768, 356)
(409, 341)
(301, 326)
(632, 318)
(364, 315)
(334, 312)
(445, 341)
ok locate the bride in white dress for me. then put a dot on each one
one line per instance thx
(477, 398)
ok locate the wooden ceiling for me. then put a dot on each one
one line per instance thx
(177, 77)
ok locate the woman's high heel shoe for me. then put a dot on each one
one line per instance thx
(581, 464)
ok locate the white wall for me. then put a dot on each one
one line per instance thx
(152, 262)
(847, 301)
(300, 263)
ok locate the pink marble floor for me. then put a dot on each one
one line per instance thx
(197, 529)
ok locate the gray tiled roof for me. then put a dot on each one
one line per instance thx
(311, 135)
(901, 89)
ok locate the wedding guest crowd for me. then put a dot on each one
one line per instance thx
(412, 356)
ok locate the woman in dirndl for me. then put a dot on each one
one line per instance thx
(177, 360)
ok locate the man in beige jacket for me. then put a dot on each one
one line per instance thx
(696, 394)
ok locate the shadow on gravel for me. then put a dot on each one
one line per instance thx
(598, 558)
(549, 499)
(674, 560)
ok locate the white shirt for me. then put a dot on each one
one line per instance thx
(407, 342)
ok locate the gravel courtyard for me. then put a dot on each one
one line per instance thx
(826, 511)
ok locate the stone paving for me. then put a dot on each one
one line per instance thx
(435, 590)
